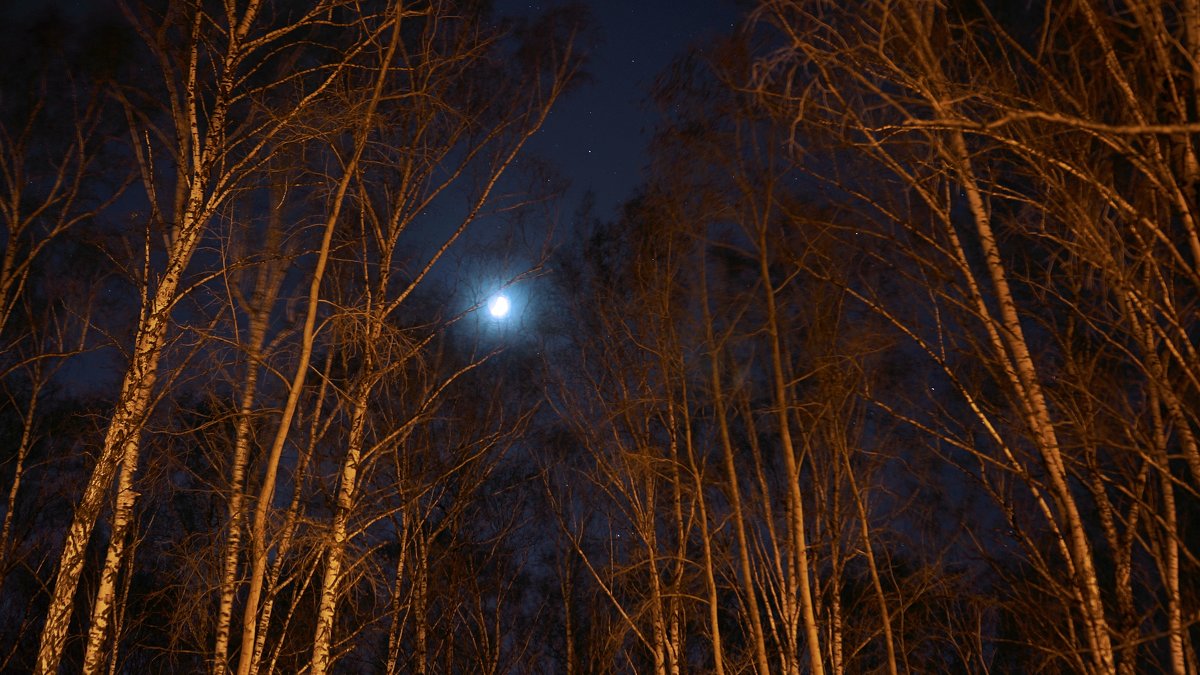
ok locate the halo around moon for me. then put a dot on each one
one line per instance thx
(499, 306)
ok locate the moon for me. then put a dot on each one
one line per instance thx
(499, 306)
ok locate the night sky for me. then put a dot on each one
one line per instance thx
(597, 136)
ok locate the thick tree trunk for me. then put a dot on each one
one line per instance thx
(122, 444)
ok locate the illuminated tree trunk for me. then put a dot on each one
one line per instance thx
(31, 222)
(421, 601)
(799, 560)
(258, 532)
(494, 152)
(1015, 355)
(780, 600)
(331, 581)
(885, 617)
(121, 448)
(258, 529)
(348, 480)
(396, 631)
(1019, 365)
(205, 173)
(648, 524)
(710, 582)
(266, 288)
(746, 576)
(1169, 559)
(289, 527)
(124, 436)
(28, 418)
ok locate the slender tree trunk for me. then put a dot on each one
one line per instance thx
(1015, 355)
(266, 493)
(779, 593)
(421, 600)
(646, 524)
(710, 582)
(1029, 388)
(800, 559)
(674, 606)
(885, 617)
(396, 631)
(749, 592)
(1169, 560)
(336, 551)
(123, 516)
(199, 147)
(23, 446)
(331, 583)
(121, 606)
(567, 589)
(828, 488)
(265, 289)
(291, 522)
(1175, 623)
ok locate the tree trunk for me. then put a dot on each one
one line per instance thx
(800, 561)
(265, 289)
(336, 546)
(121, 446)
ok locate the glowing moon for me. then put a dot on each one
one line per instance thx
(499, 306)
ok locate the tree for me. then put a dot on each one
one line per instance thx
(482, 134)
(1021, 174)
(212, 133)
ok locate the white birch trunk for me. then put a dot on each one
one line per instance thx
(335, 555)
(263, 299)
(266, 493)
(122, 444)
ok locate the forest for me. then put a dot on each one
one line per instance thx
(891, 365)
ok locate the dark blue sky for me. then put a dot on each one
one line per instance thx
(597, 136)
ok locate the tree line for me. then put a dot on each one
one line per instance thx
(889, 366)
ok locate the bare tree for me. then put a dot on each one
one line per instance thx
(213, 132)
(1033, 179)
(480, 138)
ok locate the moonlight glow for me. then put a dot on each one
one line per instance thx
(499, 306)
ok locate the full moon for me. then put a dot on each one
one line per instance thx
(499, 306)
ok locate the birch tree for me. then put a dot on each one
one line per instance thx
(1001, 142)
(210, 134)
(455, 125)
